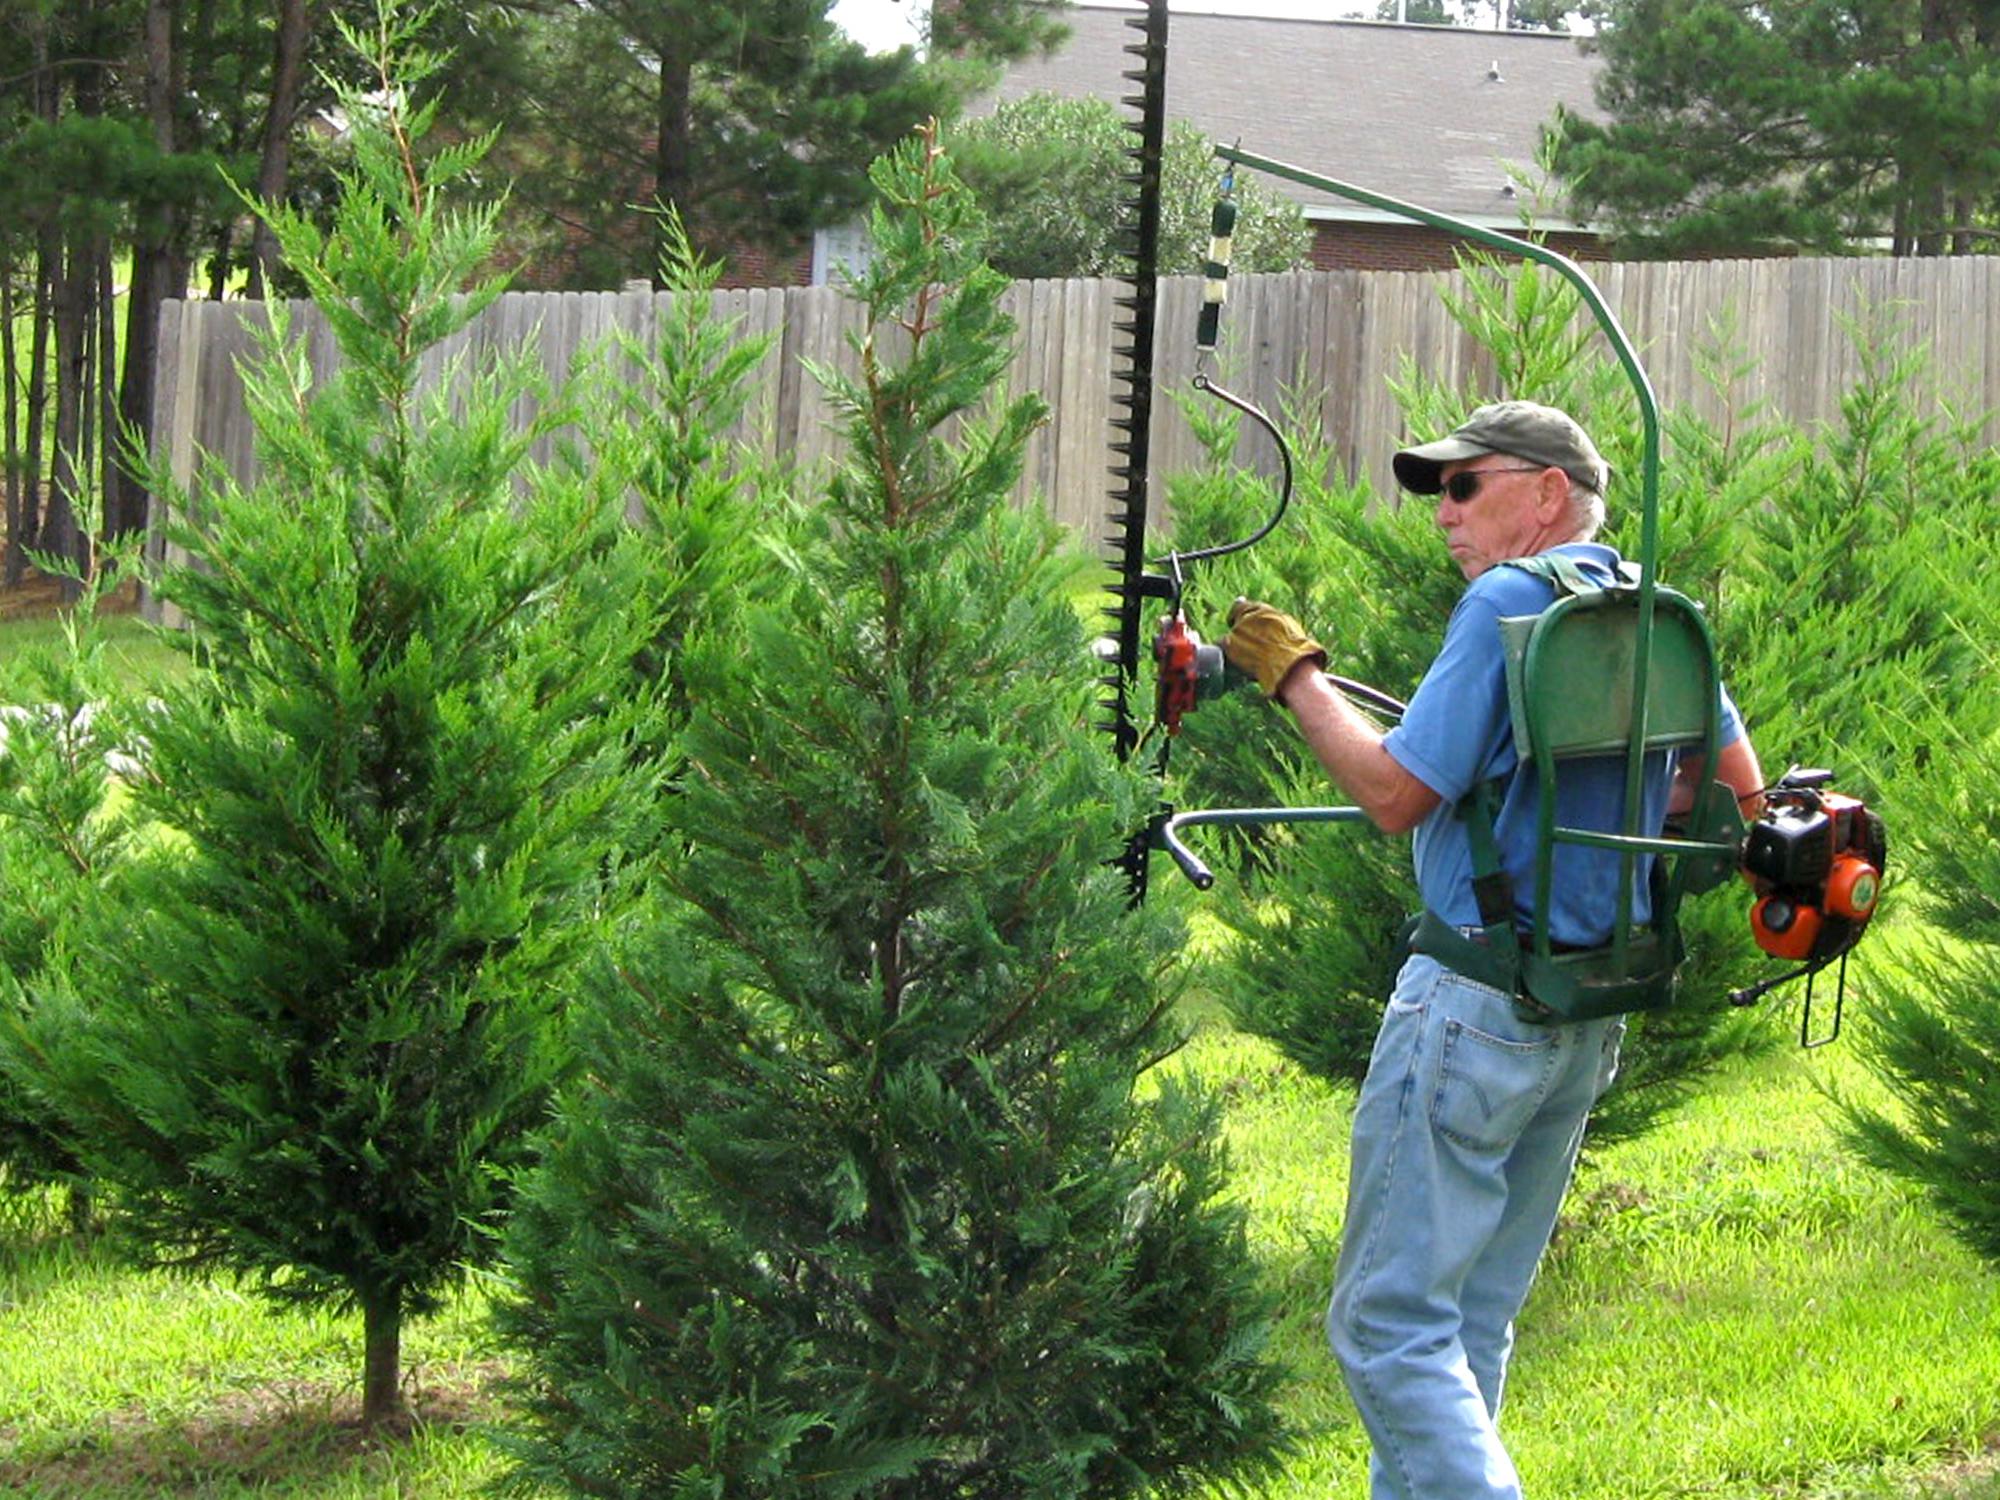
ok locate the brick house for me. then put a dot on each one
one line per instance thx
(1434, 115)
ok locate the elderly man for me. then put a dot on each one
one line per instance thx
(1468, 1124)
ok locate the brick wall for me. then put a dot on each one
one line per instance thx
(754, 265)
(1339, 246)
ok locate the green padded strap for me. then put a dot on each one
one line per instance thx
(1558, 569)
(1494, 957)
(1491, 888)
(1476, 960)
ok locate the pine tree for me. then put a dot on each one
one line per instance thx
(310, 1047)
(755, 120)
(663, 410)
(1820, 124)
(856, 1193)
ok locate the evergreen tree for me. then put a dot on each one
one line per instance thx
(1932, 1032)
(389, 792)
(1050, 173)
(855, 1193)
(1847, 559)
(755, 121)
(663, 411)
(1821, 124)
(68, 734)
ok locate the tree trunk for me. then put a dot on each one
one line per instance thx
(70, 295)
(274, 165)
(218, 261)
(104, 383)
(33, 506)
(48, 254)
(673, 175)
(12, 565)
(153, 275)
(382, 1359)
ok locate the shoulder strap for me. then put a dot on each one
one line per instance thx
(1559, 570)
(1494, 956)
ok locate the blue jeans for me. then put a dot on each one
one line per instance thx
(1465, 1135)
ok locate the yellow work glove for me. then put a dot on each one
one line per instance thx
(1266, 644)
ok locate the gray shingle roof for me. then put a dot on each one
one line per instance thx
(1413, 112)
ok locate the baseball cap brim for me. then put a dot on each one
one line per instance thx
(1420, 470)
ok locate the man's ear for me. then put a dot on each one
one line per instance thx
(1552, 496)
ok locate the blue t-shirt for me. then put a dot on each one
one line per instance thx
(1457, 733)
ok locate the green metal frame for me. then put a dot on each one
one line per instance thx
(1712, 848)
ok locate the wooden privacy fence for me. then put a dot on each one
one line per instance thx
(1335, 333)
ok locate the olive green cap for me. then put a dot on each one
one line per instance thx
(1520, 429)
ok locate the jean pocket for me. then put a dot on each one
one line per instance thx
(1488, 1087)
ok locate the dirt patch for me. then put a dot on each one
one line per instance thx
(37, 597)
(1971, 1477)
(256, 1437)
(32, 598)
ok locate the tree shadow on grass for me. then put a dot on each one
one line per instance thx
(269, 1437)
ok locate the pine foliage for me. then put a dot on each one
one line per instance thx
(856, 1193)
(389, 790)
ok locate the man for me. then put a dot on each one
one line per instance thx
(1467, 1126)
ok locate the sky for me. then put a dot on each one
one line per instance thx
(883, 25)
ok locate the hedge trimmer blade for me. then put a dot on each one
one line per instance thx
(1132, 392)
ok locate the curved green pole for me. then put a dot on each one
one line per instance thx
(1649, 413)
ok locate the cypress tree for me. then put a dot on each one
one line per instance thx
(311, 1045)
(1932, 1016)
(67, 736)
(864, 1187)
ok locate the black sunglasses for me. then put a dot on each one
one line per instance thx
(1463, 485)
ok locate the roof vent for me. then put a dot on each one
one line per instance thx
(1493, 72)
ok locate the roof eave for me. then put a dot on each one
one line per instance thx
(1507, 223)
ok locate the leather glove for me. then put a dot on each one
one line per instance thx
(1266, 644)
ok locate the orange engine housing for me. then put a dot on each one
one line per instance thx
(1785, 928)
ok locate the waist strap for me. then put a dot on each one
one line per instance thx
(1574, 985)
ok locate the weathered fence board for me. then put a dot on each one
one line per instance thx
(1334, 336)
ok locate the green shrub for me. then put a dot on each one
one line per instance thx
(306, 1038)
(854, 1193)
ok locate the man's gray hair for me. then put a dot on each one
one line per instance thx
(1586, 508)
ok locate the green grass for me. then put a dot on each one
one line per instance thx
(117, 1384)
(1733, 1308)
(134, 650)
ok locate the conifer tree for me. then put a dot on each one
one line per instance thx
(665, 411)
(857, 1191)
(1932, 1032)
(68, 733)
(310, 1047)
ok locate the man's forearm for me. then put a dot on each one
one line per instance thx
(1351, 750)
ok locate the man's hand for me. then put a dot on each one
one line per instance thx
(1266, 644)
